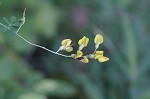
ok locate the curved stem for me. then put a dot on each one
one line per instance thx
(42, 47)
(39, 46)
(95, 51)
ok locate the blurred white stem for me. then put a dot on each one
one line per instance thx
(57, 51)
(95, 51)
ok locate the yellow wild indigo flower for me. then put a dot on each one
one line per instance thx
(79, 54)
(83, 42)
(69, 49)
(84, 60)
(98, 40)
(66, 42)
(99, 54)
(100, 57)
(65, 45)
(79, 57)
(103, 59)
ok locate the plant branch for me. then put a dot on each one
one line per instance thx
(33, 44)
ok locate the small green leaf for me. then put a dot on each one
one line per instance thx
(5, 19)
(12, 31)
(4, 29)
(16, 25)
(12, 19)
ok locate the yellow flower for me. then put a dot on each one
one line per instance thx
(98, 40)
(99, 54)
(100, 57)
(83, 42)
(66, 42)
(65, 45)
(79, 54)
(84, 60)
(103, 59)
(79, 57)
(68, 49)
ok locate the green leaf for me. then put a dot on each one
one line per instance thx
(12, 19)
(7, 69)
(57, 88)
(2, 92)
(12, 31)
(131, 44)
(5, 19)
(145, 95)
(15, 25)
(46, 20)
(31, 95)
(4, 29)
(91, 90)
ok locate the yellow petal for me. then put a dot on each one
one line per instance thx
(85, 60)
(79, 54)
(84, 41)
(81, 47)
(98, 56)
(99, 53)
(103, 59)
(98, 39)
(66, 42)
(68, 49)
(80, 41)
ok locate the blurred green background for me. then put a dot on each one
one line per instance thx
(27, 72)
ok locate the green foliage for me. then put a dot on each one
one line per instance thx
(27, 72)
(55, 88)
(12, 24)
(32, 96)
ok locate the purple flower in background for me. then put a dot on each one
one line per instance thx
(79, 17)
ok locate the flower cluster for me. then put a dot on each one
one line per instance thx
(83, 42)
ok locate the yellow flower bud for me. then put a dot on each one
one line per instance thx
(98, 40)
(68, 49)
(103, 59)
(100, 57)
(79, 54)
(81, 58)
(99, 54)
(65, 45)
(66, 42)
(83, 42)
(85, 60)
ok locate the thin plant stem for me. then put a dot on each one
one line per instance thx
(42, 47)
(95, 50)
(3, 25)
(57, 51)
(33, 44)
